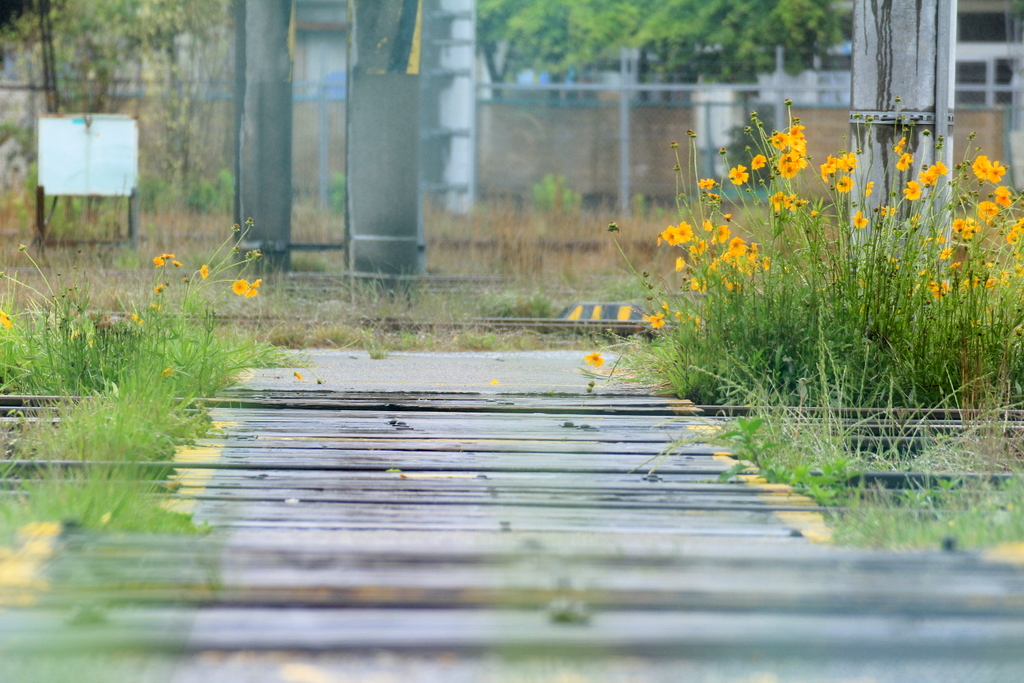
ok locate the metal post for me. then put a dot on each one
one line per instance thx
(902, 58)
(264, 144)
(383, 143)
(624, 95)
(781, 120)
(324, 145)
(133, 218)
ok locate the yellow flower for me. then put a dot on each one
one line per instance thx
(1003, 196)
(939, 289)
(680, 263)
(657, 321)
(698, 286)
(913, 190)
(995, 172)
(869, 188)
(900, 146)
(780, 140)
(859, 221)
(846, 162)
(946, 253)
(845, 184)
(167, 372)
(253, 289)
(791, 163)
(5, 320)
(240, 287)
(904, 163)
(298, 375)
(167, 256)
(931, 175)
(984, 169)
(706, 184)
(158, 288)
(828, 168)
(177, 263)
(987, 211)
(737, 248)
(885, 211)
(697, 249)
(782, 201)
(204, 271)
(158, 261)
(797, 140)
(758, 161)
(138, 319)
(707, 226)
(595, 359)
(1013, 237)
(721, 235)
(677, 234)
(738, 175)
(965, 227)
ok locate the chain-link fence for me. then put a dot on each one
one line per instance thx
(538, 144)
(602, 145)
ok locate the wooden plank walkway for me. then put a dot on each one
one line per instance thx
(523, 525)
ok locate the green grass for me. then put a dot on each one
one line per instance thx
(811, 310)
(903, 299)
(128, 386)
(977, 515)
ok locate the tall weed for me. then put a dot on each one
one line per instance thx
(912, 298)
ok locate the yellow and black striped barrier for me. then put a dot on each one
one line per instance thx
(620, 312)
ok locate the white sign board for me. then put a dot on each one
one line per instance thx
(88, 154)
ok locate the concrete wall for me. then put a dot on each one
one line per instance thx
(521, 142)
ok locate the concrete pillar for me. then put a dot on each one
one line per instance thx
(902, 85)
(383, 140)
(263, 120)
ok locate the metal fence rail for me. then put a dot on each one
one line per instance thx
(594, 143)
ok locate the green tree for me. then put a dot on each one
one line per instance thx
(684, 39)
(554, 34)
(91, 55)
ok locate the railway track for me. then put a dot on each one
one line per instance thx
(487, 521)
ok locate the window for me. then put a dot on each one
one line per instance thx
(971, 73)
(982, 27)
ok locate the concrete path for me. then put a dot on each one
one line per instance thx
(527, 372)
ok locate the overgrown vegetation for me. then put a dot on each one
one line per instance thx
(830, 302)
(126, 386)
(898, 298)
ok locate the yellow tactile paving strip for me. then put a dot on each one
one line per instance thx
(811, 525)
(190, 482)
(21, 566)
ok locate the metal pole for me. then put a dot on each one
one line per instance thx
(324, 144)
(239, 104)
(902, 52)
(624, 94)
(945, 61)
(781, 120)
(265, 138)
(383, 142)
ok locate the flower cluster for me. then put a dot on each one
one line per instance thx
(245, 288)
